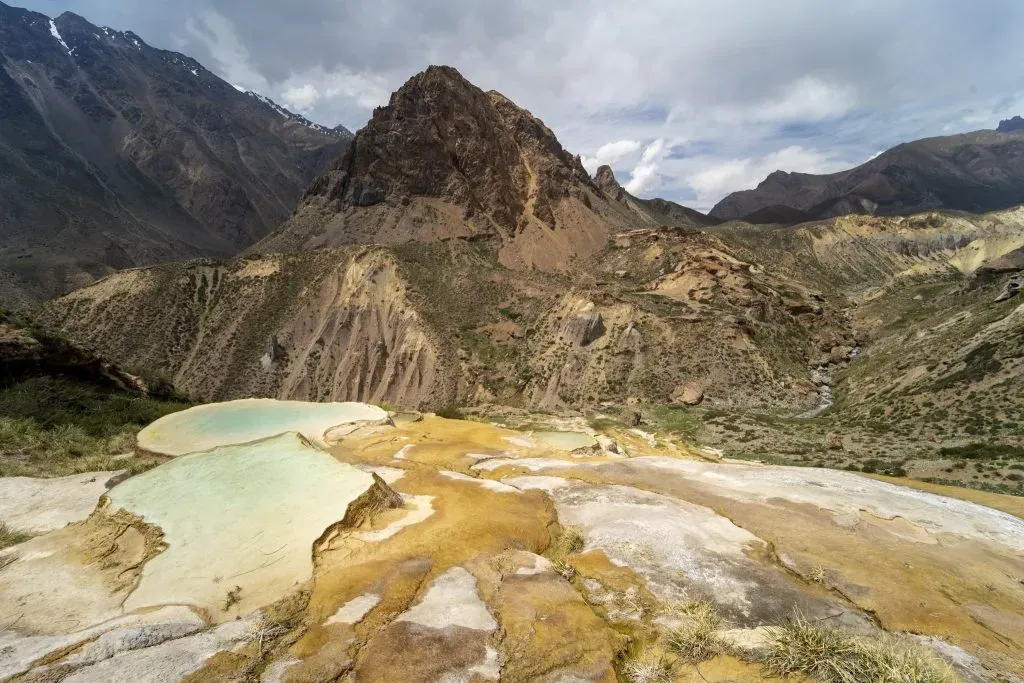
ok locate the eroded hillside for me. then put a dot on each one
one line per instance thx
(908, 325)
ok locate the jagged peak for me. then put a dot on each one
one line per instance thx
(605, 177)
(1011, 125)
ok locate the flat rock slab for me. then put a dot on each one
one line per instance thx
(683, 551)
(238, 520)
(243, 421)
(849, 495)
(36, 506)
(443, 637)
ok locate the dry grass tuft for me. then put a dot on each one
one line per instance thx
(695, 641)
(831, 656)
(9, 536)
(570, 541)
(648, 667)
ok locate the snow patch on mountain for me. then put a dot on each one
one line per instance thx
(291, 116)
(56, 34)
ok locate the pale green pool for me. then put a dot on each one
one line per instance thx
(233, 422)
(242, 516)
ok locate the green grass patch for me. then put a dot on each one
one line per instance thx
(680, 421)
(57, 426)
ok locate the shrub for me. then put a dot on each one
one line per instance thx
(695, 641)
(570, 541)
(830, 656)
(450, 412)
(982, 451)
(648, 667)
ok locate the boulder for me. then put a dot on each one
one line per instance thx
(584, 328)
(1013, 286)
(688, 394)
(630, 418)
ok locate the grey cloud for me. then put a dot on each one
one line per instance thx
(737, 80)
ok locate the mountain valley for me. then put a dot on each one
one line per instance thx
(430, 402)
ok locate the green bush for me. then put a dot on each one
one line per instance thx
(983, 451)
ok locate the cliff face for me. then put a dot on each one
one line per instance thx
(445, 159)
(116, 154)
(330, 326)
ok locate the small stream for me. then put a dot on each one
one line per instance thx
(822, 376)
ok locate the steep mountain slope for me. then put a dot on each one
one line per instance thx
(427, 325)
(734, 316)
(114, 154)
(329, 325)
(979, 171)
(446, 160)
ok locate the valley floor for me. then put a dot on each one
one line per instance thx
(515, 546)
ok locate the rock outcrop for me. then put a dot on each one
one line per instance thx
(443, 160)
(27, 351)
(652, 212)
(1011, 125)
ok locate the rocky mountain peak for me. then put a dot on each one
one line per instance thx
(441, 137)
(607, 183)
(445, 160)
(1012, 125)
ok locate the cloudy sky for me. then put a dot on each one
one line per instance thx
(685, 99)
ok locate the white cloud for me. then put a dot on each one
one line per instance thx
(231, 58)
(365, 89)
(807, 99)
(301, 98)
(645, 174)
(715, 178)
(611, 153)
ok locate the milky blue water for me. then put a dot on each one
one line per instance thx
(233, 422)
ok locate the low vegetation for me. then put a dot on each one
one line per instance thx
(569, 542)
(57, 426)
(830, 656)
(695, 641)
(648, 667)
(9, 536)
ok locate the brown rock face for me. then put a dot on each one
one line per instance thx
(688, 393)
(605, 179)
(441, 138)
(445, 159)
(455, 144)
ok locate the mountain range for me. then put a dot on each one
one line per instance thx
(117, 154)
(454, 253)
(977, 172)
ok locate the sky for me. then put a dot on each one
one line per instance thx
(685, 99)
